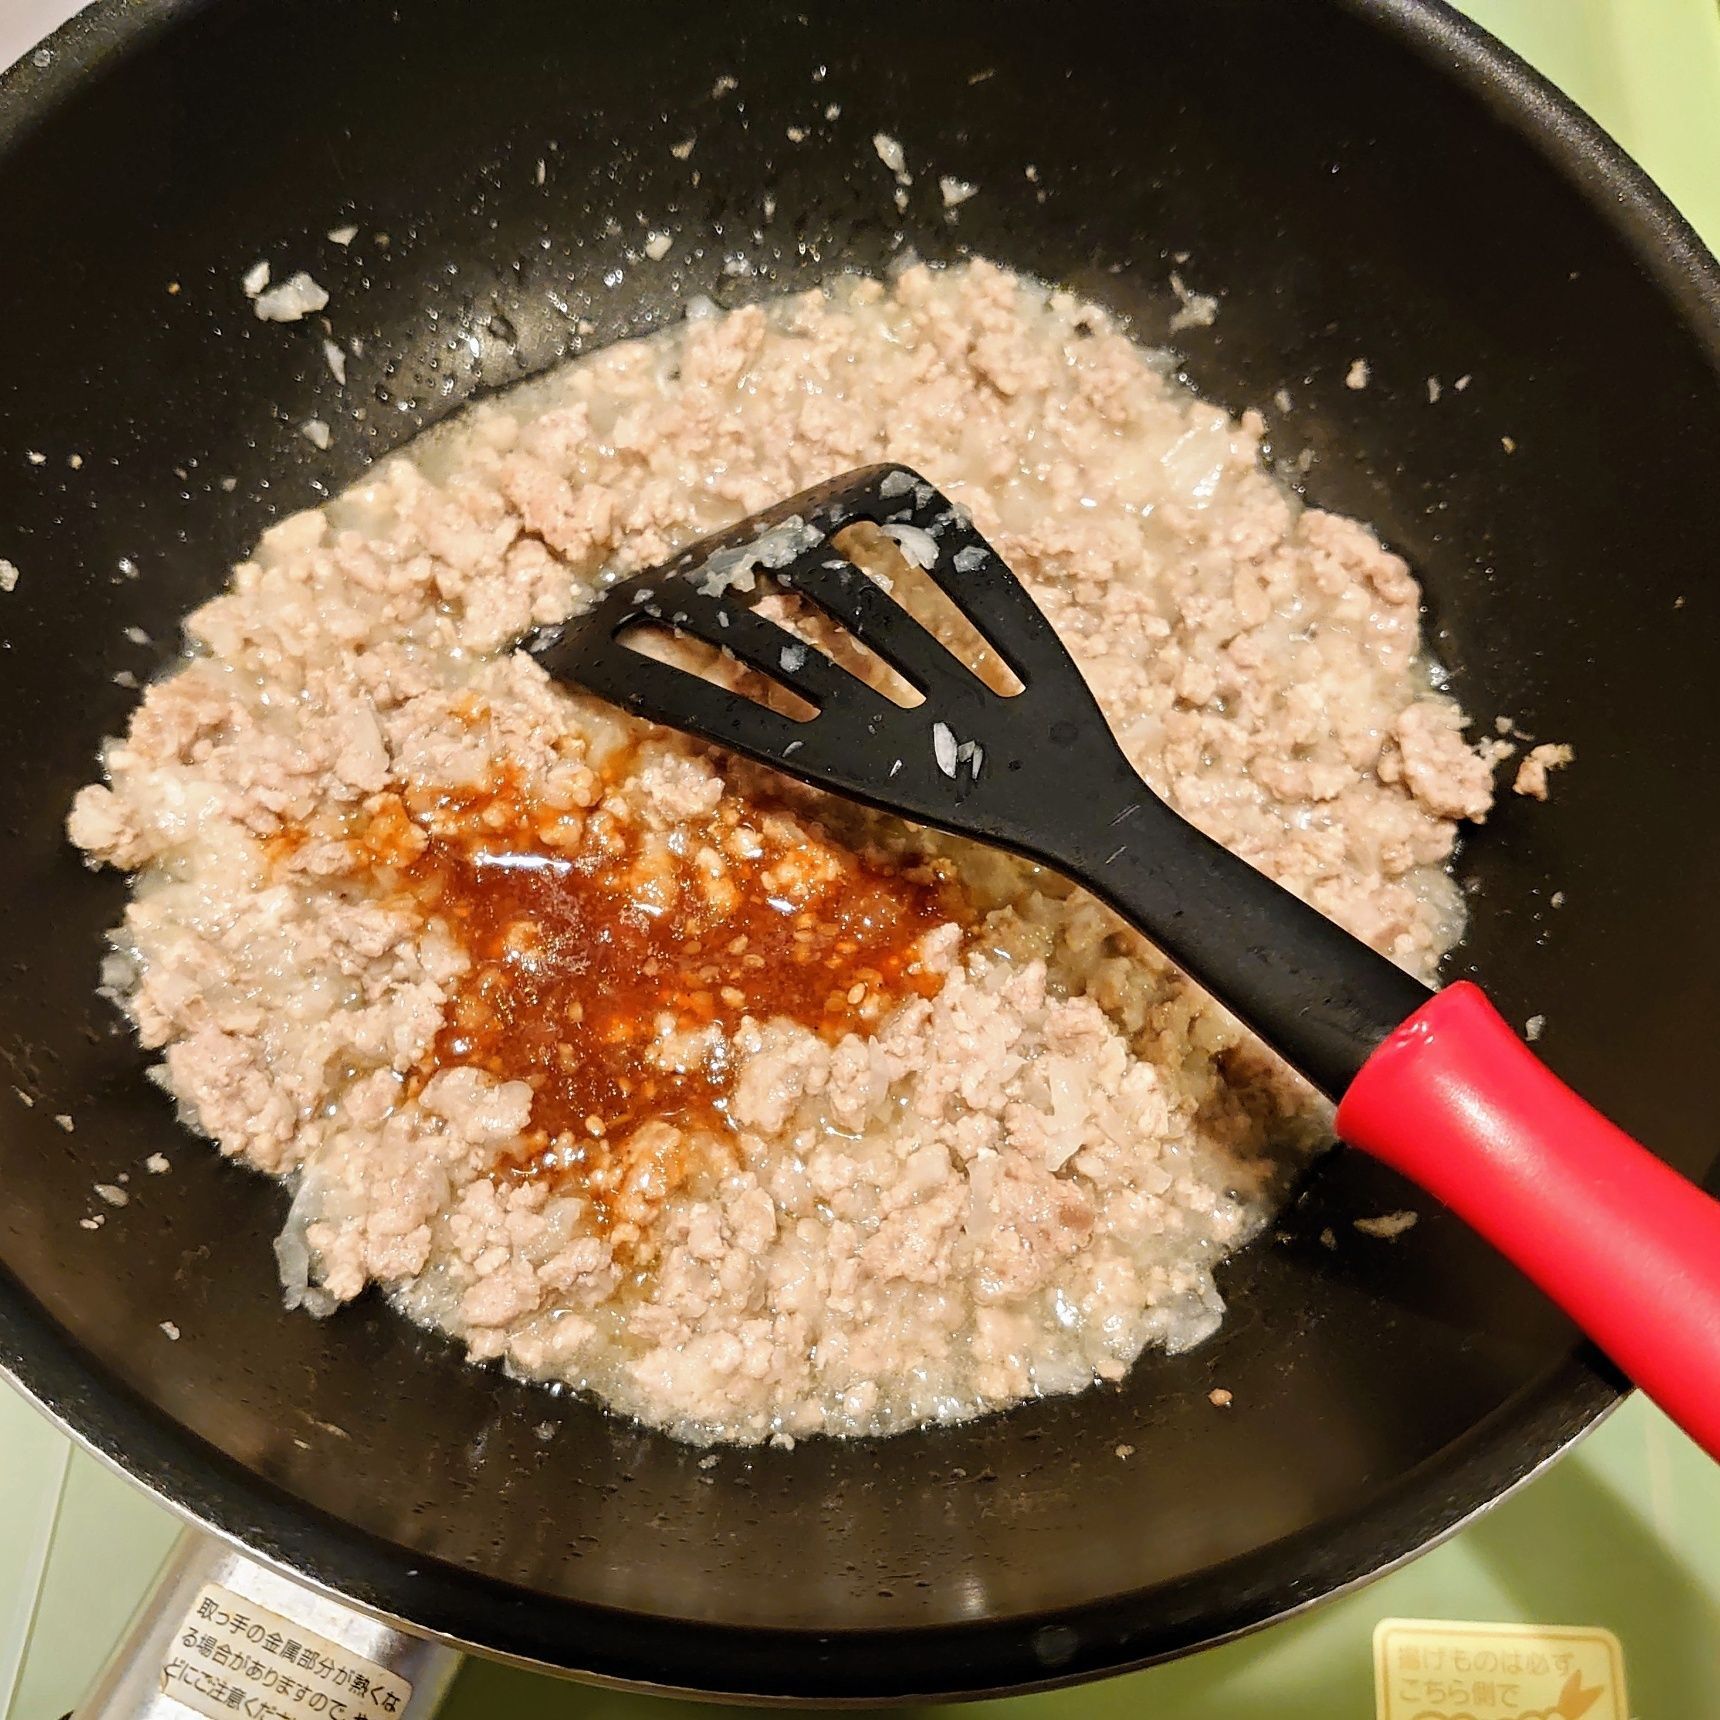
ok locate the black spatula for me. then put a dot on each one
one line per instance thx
(1438, 1086)
(1036, 772)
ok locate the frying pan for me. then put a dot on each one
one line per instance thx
(1372, 181)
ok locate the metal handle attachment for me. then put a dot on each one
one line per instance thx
(217, 1620)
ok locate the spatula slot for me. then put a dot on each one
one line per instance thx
(661, 643)
(892, 556)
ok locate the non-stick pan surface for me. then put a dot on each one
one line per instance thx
(1356, 181)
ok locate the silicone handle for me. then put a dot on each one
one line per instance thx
(1626, 1246)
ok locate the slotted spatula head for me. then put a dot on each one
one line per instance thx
(967, 758)
(1036, 771)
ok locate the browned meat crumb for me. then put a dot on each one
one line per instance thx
(1388, 1226)
(1532, 772)
(1437, 765)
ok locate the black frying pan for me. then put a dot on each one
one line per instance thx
(1373, 181)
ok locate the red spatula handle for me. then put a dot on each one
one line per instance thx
(1626, 1246)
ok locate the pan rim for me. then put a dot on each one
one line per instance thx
(651, 1651)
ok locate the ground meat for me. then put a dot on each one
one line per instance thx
(1437, 765)
(1007, 1178)
(1531, 777)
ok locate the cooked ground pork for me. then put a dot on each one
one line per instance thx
(1003, 1173)
(1531, 778)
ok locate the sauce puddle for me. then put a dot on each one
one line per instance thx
(608, 971)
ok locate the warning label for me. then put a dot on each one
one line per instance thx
(232, 1656)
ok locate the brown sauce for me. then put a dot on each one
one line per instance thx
(588, 938)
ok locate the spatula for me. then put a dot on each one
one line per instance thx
(1436, 1085)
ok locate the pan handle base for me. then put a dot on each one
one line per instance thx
(217, 1620)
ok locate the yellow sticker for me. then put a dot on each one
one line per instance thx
(1447, 1669)
(235, 1657)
